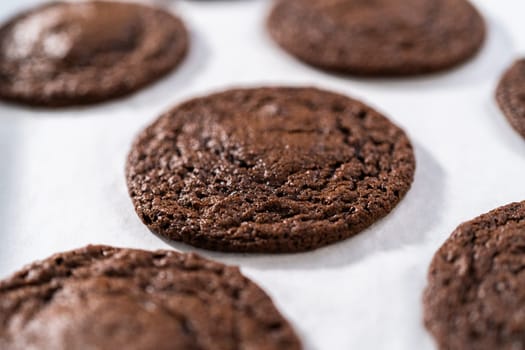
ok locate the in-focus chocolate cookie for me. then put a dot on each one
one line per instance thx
(69, 53)
(101, 297)
(475, 298)
(378, 37)
(510, 95)
(268, 170)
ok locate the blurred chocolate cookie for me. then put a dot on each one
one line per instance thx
(268, 170)
(510, 95)
(378, 37)
(108, 298)
(69, 53)
(475, 298)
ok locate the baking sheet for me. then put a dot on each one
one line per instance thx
(62, 173)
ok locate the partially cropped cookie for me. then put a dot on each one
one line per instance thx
(108, 298)
(70, 53)
(475, 298)
(510, 95)
(378, 37)
(268, 170)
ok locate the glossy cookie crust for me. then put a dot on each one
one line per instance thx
(378, 37)
(71, 53)
(106, 298)
(510, 95)
(475, 298)
(268, 170)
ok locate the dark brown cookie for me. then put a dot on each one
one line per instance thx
(475, 298)
(378, 37)
(101, 297)
(510, 95)
(268, 170)
(66, 53)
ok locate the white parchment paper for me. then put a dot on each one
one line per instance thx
(62, 173)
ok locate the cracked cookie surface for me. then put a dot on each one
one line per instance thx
(101, 297)
(378, 37)
(475, 298)
(64, 53)
(268, 170)
(510, 95)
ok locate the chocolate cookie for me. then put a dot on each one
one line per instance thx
(510, 95)
(101, 297)
(378, 37)
(268, 170)
(66, 53)
(475, 298)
